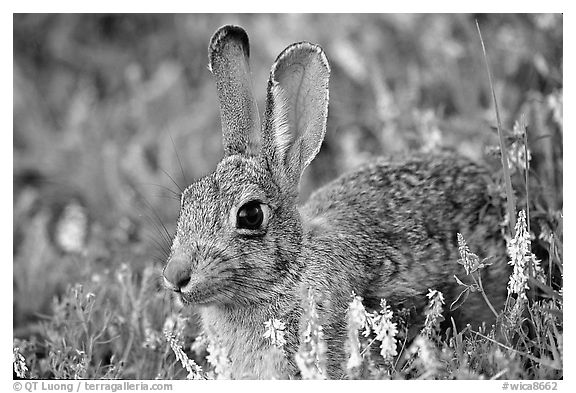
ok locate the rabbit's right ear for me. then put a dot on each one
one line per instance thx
(228, 55)
(296, 111)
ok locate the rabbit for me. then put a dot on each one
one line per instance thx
(244, 252)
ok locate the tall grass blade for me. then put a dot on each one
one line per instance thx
(510, 201)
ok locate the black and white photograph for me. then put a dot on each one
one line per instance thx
(287, 196)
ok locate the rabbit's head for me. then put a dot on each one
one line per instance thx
(239, 232)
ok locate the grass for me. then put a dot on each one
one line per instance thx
(112, 112)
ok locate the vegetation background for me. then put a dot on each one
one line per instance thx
(114, 114)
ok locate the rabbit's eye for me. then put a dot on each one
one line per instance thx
(251, 215)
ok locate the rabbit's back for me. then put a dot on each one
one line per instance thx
(395, 224)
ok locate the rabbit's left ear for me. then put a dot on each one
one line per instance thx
(228, 54)
(296, 111)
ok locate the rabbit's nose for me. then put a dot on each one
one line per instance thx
(177, 273)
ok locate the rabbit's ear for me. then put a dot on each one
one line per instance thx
(296, 110)
(228, 55)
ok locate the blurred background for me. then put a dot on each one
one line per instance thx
(114, 114)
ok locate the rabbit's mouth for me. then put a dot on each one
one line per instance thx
(188, 298)
(194, 298)
(198, 295)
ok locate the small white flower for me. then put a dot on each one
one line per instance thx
(426, 355)
(385, 330)
(356, 316)
(357, 312)
(371, 318)
(311, 356)
(387, 336)
(468, 259)
(152, 338)
(275, 331)
(218, 358)
(19, 363)
(355, 359)
(194, 370)
(200, 344)
(522, 259)
(433, 311)
(379, 323)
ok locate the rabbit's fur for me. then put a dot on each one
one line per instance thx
(387, 230)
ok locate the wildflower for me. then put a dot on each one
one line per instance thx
(546, 234)
(516, 151)
(555, 103)
(468, 259)
(152, 338)
(218, 358)
(310, 358)
(356, 316)
(433, 312)
(71, 229)
(123, 273)
(371, 318)
(430, 133)
(522, 259)
(427, 358)
(19, 363)
(194, 370)
(357, 312)
(200, 344)
(379, 323)
(385, 330)
(275, 332)
(80, 364)
(175, 324)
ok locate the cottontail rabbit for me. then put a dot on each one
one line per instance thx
(244, 252)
